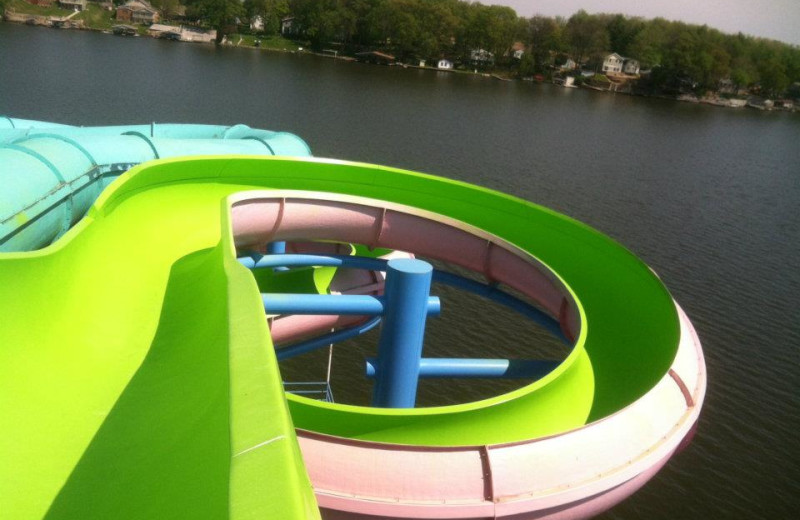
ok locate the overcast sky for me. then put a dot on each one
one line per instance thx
(776, 19)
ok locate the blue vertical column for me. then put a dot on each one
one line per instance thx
(408, 283)
(277, 248)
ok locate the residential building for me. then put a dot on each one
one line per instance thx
(517, 50)
(613, 63)
(75, 5)
(569, 65)
(630, 66)
(288, 27)
(481, 57)
(138, 11)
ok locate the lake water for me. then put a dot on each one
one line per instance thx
(708, 197)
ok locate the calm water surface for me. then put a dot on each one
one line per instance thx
(709, 197)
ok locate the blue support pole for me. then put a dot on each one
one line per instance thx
(345, 304)
(323, 341)
(408, 283)
(276, 248)
(464, 368)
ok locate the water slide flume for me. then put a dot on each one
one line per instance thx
(152, 387)
(52, 173)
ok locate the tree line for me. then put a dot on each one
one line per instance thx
(674, 52)
(432, 29)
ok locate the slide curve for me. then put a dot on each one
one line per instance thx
(139, 380)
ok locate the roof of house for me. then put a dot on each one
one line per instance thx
(139, 5)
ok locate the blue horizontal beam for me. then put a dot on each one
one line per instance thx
(323, 341)
(490, 292)
(339, 304)
(258, 261)
(464, 368)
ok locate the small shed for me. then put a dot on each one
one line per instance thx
(444, 64)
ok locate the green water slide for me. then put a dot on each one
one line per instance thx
(138, 379)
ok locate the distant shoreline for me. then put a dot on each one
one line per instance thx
(713, 100)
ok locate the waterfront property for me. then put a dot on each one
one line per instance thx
(481, 58)
(518, 50)
(75, 5)
(569, 65)
(613, 63)
(631, 66)
(288, 27)
(616, 64)
(138, 11)
(444, 64)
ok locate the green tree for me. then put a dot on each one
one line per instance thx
(622, 33)
(270, 11)
(774, 80)
(168, 8)
(544, 35)
(650, 43)
(586, 35)
(218, 14)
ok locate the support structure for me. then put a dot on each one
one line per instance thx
(408, 282)
(464, 368)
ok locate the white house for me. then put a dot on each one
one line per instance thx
(613, 63)
(569, 65)
(444, 64)
(630, 66)
(481, 57)
(75, 5)
(518, 50)
(256, 23)
(287, 26)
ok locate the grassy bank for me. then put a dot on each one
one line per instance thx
(21, 6)
(95, 17)
(274, 43)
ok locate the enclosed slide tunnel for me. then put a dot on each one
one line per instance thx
(50, 174)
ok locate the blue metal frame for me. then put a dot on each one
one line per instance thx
(404, 307)
(323, 341)
(339, 304)
(408, 282)
(490, 292)
(477, 368)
